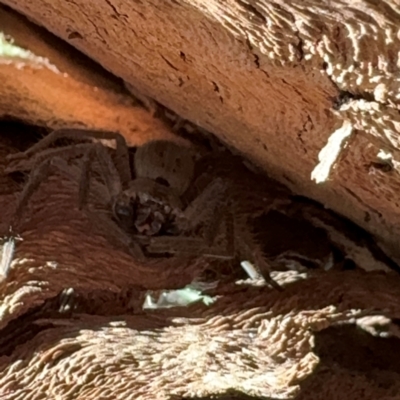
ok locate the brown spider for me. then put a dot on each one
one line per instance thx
(162, 207)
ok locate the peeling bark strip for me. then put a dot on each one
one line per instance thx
(270, 78)
(330, 153)
(7, 253)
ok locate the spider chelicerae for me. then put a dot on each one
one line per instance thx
(162, 206)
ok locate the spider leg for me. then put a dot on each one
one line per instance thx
(36, 177)
(115, 234)
(204, 207)
(21, 164)
(74, 173)
(84, 184)
(102, 222)
(176, 244)
(108, 170)
(122, 155)
(250, 250)
(185, 245)
(198, 246)
(90, 151)
(41, 172)
(222, 212)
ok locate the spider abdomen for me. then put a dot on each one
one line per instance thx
(165, 162)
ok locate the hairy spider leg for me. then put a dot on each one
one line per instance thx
(39, 160)
(193, 246)
(207, 207)
(250, 250)
(40, 168)
(36, 177)
(197, 246)
(247, 246)
(122, 154)
(102, 221)
(221, 212)
(113, 183)
(203, 207)
(108, 170)
(20, 164)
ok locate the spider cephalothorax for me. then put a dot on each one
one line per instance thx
(161, 204)
(152, 202)
(145, 208)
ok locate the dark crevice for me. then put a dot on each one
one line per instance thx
(301, 140)
(23, 329)
(116, 12)
(255, 56)
(14, 133)
(216, 89)
(359, 200)
(299, 48)
(352, 231)
(383, 166)
(74, 35)
(367, 353)
(305, 129)
(290, 234)
(256, 15)
(264, 146)
(169, 63)
(358, 354)
(345, 97)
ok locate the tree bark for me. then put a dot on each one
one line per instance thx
(277, 81)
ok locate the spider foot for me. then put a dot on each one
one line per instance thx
(255, 275)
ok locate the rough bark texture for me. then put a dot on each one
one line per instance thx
(273, 80)
(60, 87)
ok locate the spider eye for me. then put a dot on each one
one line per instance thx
(123, 211)
(124, 215)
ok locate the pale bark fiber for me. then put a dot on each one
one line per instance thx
(265, 76)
